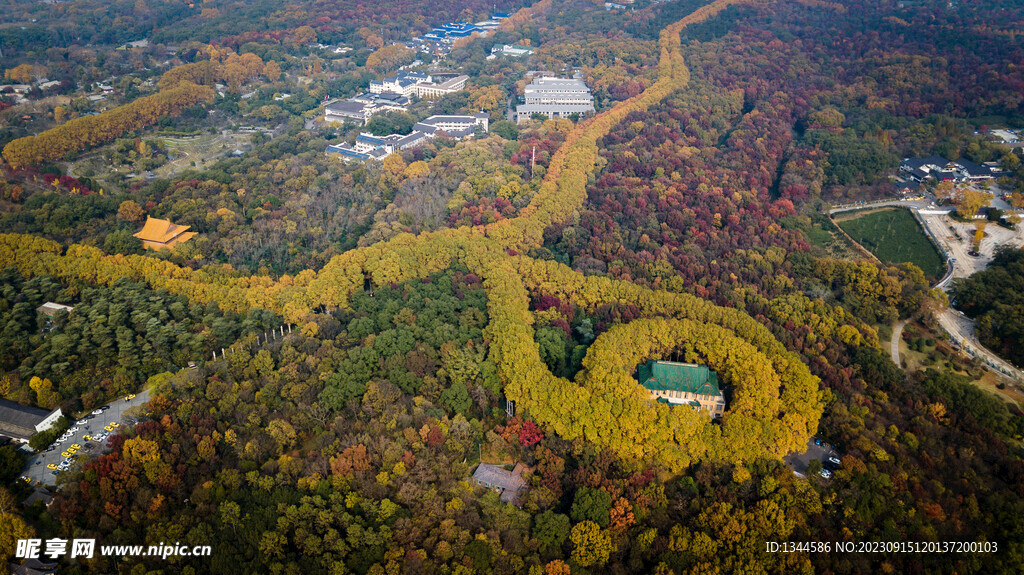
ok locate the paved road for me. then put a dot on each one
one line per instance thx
(961, 329)
(919, 204)
(955, 240)
(37, 470)
(894, 344)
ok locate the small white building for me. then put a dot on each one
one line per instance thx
(513, 50)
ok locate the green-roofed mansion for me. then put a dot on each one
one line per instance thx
(683, 383)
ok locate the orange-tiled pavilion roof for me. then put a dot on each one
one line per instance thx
(158, 234)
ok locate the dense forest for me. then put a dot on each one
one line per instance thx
(113, 339)
(995, 299)
(528, 270)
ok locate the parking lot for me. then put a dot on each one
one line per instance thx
(798, 462)
(37, 469)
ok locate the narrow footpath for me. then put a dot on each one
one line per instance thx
(894, 344)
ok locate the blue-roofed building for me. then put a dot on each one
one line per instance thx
(500, 15)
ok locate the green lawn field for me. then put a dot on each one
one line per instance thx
(894, 236)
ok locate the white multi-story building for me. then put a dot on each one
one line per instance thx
(418, 84)
(555, 98)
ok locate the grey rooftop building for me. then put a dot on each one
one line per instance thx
(20, 422)
(509, 484)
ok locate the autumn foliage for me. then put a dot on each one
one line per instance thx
(775, 408)
(81, 133)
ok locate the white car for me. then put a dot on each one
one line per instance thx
(97, 412)
(826, 474)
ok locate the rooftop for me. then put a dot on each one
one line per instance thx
(546, 82)
(672, 376)
(38, 495)
(497, 477)
(21, 415)
(563, 108)
(162, 233)
(34, 567)
(51, 308)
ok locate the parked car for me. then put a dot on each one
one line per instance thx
(97, 411)
(826, 474)
(834, 460)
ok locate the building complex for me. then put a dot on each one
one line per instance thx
(371, 147)
(394, 93)
(418, 84)
(364, 106)
(942, 170)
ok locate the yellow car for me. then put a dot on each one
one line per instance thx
(65, 454)
(76, 446)
(129, 397)
(72, 450)
(114, 424)
(108, 428)
(87, 437)
(51, 466)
